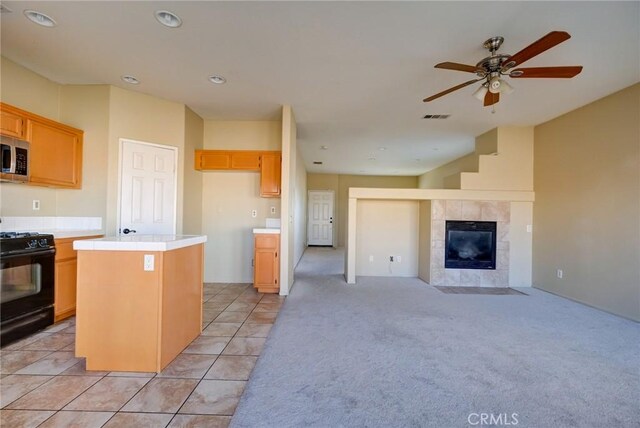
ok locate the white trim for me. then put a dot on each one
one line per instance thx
(121, 142)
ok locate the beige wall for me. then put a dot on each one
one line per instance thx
(81, 106)
(510, 168)
(29, 91)
(387, 228)
(435, 179)
(587, 209)
(287, 203)
(243, 135)
(502, 160)
(340, 184)
(300, 210)
(228, 197)
(140, 117)
(86, 107)
(193, 140)
(424, 242)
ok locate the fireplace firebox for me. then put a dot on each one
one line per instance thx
(470, 245)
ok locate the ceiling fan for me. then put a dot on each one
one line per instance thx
(491, 69)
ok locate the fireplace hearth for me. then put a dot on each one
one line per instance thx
(470, 245)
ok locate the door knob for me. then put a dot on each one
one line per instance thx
(128, 231)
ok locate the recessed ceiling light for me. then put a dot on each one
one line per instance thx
(218, 80)
(130, 80)
(40, 18)
(168, 19)
(382, 149)
(324, 148)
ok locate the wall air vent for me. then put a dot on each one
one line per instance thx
(317, 163)
(436, 116)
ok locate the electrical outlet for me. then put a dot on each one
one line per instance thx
(370, 259)
(559, 273)
(254, 213)
(399, 259)
(36, 205)
(273, 210)
(391, 259)
(149, 262)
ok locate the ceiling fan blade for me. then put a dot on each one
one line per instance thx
(537, 47)
(490, 98)
(455, 88)
(457, 67)
(559, 72)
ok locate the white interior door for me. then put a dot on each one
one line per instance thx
(147, 189)
(320, 217)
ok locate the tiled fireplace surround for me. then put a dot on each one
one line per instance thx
(443, 210)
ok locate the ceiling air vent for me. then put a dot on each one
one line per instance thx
(317, 163)
(436, 116)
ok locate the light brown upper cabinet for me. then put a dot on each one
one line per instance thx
(243, 160)
(12, 123)
(270, 175)
(268, 163)
(55, 154)
(55, 150)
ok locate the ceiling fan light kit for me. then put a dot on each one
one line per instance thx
(491, 69)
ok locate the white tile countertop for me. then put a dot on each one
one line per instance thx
(266, 230)
(62, 234)
(139, 242)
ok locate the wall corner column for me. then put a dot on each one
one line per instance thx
(350, 260)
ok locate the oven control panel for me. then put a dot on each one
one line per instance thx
(38, 243)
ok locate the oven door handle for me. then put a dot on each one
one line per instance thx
(28, 252)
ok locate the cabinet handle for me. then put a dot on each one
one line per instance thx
(276, 254)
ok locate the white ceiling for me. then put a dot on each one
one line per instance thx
(354, 72)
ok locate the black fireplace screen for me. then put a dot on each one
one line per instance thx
(470, 245)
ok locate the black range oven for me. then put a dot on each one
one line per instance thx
(27, 279)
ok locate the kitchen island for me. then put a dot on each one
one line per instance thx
(139, 301)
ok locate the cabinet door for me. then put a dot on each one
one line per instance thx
(55, 155)
(246, 161)
(212, 159)
(267, 262)
(65, 288)
(265, 273)
(11, 124)
(270, 175)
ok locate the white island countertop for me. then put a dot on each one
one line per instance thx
(139, 242)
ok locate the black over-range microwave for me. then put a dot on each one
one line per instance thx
(15, 159)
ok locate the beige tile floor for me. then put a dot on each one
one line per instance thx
(43, 384)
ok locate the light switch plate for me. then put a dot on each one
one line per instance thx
(149, 262)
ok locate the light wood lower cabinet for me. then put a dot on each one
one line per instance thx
(66, 278)
(134, 319)
(266, 271)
